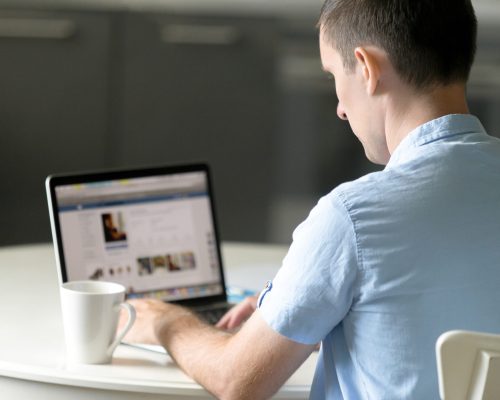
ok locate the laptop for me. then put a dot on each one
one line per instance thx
(153, 230)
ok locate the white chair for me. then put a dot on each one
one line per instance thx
(468, 365)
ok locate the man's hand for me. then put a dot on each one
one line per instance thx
(238, 314)
(151, 316)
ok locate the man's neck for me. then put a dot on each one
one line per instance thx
(405, 116)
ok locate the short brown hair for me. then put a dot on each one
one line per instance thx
(429, 42)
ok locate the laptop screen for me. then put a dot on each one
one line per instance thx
(153, 234)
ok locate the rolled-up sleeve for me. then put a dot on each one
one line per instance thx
(314, 288)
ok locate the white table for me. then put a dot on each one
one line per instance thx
(32, 353)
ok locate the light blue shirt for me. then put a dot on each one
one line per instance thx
(383, 265)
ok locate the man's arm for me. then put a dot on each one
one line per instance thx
(250, 364)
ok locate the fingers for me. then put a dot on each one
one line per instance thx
(148, 312)
(238, 314)
(222, 324)
(232, 319)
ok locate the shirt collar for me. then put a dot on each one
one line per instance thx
(436, 129)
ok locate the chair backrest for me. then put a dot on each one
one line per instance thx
(468, 365)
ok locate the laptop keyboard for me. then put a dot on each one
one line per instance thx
(213, 315)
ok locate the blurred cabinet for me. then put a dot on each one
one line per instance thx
(53, 109)
(84, 90)
(201, 89)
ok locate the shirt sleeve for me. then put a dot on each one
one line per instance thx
(314, 288)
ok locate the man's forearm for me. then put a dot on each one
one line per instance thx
(198, 348)
(250, 364)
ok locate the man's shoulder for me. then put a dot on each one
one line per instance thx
(377, 192)
(374, 183)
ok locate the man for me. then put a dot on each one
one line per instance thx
(383, 265)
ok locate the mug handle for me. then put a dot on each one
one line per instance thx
(131, 318)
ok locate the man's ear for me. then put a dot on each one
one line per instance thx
(370, 68)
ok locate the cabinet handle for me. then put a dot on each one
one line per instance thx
(200, 34)
(35, 28)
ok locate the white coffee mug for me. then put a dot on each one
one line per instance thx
(90, 311)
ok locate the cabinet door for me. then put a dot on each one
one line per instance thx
(202, 88)
(53, 110)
